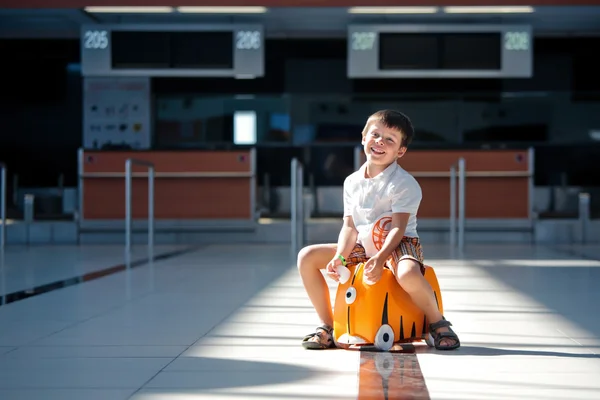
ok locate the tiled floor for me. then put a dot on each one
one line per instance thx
(28, 267)
(226, 323)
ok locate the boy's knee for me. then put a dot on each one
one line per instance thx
(314, 256)
(304, 255)
(407, 272)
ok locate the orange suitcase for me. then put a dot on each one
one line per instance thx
(381, 314)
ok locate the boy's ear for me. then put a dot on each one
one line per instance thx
(362, 141)
(402, 151)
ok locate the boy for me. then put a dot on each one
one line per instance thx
(380, 228)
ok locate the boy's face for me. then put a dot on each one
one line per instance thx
(383, 145)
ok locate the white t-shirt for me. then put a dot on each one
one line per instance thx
(371, 202)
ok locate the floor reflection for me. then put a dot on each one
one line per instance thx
(391, 375)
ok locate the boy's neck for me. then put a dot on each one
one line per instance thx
(371, 170)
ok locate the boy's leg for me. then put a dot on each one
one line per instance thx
(407, 265)
(311, 260)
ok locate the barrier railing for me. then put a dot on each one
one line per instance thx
(584, 216)
(358, 157)
(128, 209)
(457, 224)
(2, 205)
(2, 232)
(297, 206)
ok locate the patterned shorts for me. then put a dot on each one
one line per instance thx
(409, 248)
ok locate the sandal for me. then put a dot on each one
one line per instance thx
(323, 339)
(438, 336)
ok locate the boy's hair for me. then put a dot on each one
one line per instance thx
(394, 120)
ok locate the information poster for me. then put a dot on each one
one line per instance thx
(117, 113)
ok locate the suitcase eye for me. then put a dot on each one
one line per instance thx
(384, 338)
(350, 295)
(384, 363)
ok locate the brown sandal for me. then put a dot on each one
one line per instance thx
(324, 339)
(438, 336)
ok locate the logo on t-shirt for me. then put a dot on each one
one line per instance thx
(380, 230)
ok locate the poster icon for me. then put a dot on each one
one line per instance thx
(124, 110)
(117, 112)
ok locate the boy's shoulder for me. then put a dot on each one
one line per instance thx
(404, 179)
(402, 174)
(353, 177)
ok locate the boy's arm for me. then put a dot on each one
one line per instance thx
(347, 237)
(348, 233)
(405, 201)
(394, 237)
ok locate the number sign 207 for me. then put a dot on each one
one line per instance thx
(363, 40)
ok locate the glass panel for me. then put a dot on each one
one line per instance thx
(506, 118)
(323, 130)
(341, 119)
(193, 121)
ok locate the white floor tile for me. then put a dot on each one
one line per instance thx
(74, 378)
(217, 324)
(65, 394)
(82, 364)
(23, 269)
(6, 349)
(35, 352)
(18, 333)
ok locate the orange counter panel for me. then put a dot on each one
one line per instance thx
(185, 161)
(174, 198)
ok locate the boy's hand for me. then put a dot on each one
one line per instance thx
(373, 270)
(332, 268)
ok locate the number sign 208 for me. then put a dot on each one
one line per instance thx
(517, 41)
(247, 40)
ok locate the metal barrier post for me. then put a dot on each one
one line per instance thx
(461, 204)
(301, 212)
(358, 150)
(128, 216)
(2, 206)
(584, 215)
(151, 215)
(314, 205)
(28, 214)
(453, 206)
(531, 182)
(79, 212)
(294, 205)
(297, 206)
(253, 183)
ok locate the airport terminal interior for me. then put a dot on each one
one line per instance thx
(161, 167)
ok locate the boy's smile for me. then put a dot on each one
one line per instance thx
(377, 151)
(382, 145)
